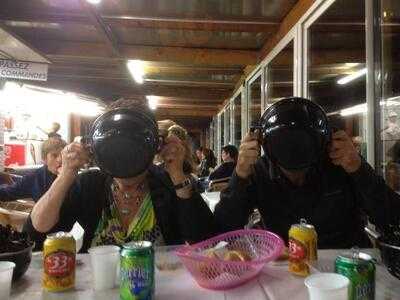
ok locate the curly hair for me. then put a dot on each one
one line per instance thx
(167, 127)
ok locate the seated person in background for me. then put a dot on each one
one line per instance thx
(208, 162)
(198, 153)
(229, 156)
(55, 127)
(307, 172)
(129, 198)
(34, 185)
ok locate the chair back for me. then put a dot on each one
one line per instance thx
(219, 185)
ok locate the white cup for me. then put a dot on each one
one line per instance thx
(6, 272)
(105, 261)
(327, 286)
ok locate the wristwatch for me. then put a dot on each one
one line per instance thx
(183, 184)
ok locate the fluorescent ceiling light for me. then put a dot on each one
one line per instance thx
(351, 65)
(362, 108)
(30, 100)
(353, 76)
(94, 1)
(354, 110)
(152, 101)
(136, 68)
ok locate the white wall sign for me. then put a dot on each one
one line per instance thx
(23, 70)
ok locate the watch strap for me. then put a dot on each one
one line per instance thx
(183, 184)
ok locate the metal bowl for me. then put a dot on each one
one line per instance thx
(22, 260)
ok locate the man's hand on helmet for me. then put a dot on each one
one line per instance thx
(249, 151)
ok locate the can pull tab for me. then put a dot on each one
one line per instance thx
(355, 252)
(303, 221)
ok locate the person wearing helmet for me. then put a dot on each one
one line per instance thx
(128, 198)
(307, 171)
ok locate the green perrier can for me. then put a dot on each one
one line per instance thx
(360, 269)
(137, 271)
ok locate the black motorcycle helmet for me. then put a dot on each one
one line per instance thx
(124, 141)
(295, 133)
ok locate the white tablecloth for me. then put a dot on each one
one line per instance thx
(274, 283)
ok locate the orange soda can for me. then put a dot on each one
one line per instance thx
(59, 253)
(302, 248)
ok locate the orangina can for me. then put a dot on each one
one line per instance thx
(59, 253)
(302, 248)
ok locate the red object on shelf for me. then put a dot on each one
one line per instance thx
(14, 154)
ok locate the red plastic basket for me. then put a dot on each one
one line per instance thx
(217, 274)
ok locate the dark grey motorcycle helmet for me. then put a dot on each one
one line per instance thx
(124, 141)
(295, 133)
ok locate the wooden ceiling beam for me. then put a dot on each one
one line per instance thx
(190, 112)
(298, 10)
(102, 88)
(195, 56)
(192, 70)
(206, 24)
(189, 106)
(232, 24)
(182, 77)
(178, 82)
(181, 100)
(118, 76)
(184, 92)
(103, 29)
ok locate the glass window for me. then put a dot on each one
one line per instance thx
(390, 115)
(221, 141)
(279, 79)
(227, 122)
(254, 101)
(215, 125)
(336, 67)
(237, 120)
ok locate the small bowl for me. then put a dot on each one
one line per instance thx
(22, 260)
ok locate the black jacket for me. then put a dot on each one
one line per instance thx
(180, 220)
(32, 185)
(332, 200)
(223, 171)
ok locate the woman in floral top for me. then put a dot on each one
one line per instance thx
(157, 205)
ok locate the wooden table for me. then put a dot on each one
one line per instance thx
(274, 283)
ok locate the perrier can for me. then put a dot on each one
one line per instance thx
(137, 271)
(360, 269)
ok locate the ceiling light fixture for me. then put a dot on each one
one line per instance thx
(352, 77)
(152, 101)
(136, 68)
(94, 1)
(354, 110)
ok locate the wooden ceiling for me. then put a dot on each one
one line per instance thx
(195, 51)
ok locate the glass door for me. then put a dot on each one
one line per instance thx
(254, 100)
(335, 71)
(390, 101)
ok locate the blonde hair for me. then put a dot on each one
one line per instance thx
(52, 144)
